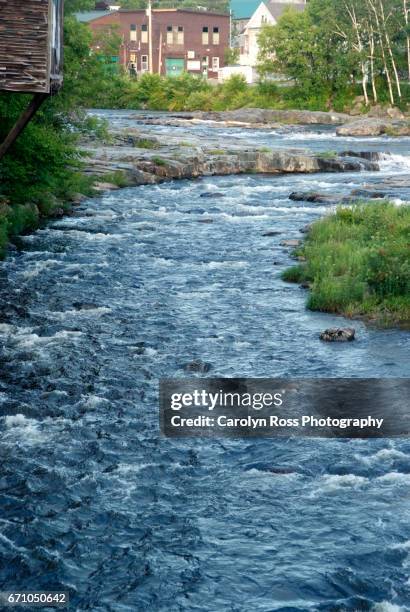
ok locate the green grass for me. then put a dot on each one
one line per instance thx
(328, 154)
(358, 264)
(159, 161)
(118, 177)
(216, 151)
(146, 143)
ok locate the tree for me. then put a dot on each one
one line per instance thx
(336, 43)
(231, 56)
(74, 6)
(305, 49)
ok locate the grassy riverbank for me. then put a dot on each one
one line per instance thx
(357, 264)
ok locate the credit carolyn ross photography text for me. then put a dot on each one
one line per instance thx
(283, 407)
(273, 421)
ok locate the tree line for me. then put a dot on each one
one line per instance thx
(336, 44)
(214, 5)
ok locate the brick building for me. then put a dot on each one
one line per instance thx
(179, 40)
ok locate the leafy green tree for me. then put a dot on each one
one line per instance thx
(336, 44)
(74, 6)
(231, 56)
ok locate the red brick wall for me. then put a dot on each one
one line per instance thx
(192, 23)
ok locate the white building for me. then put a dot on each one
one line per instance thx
(268, 12)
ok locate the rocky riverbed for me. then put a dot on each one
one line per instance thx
(142, 159)
(377, 122)
(146, 151)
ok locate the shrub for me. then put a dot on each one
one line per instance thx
(358, 263)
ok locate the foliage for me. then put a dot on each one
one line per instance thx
(333, 45)
(43, 167)
(357, 263)
(231, 56)
(72, 6)
(183, 93)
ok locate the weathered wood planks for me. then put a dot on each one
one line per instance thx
(30, 45)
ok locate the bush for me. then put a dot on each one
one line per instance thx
(43, 167)
(358, 263)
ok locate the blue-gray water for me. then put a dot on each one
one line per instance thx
(93, 310)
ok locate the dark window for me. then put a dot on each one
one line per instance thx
(144, 28)
(133, 27)
(169, 28)
(205, 29)
(216, 30)
(180, 29)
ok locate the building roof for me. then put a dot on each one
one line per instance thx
(244, 9)
(87, 16)
(278, 8)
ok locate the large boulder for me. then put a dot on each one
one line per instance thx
(197, 366)
(315, 198)
(338, 334)
(381, 112)
(346, 164)
(375, 127)
(373, 156)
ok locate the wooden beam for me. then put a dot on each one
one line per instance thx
(22, 121)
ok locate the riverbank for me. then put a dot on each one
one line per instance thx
(355, 263)
(19, 219)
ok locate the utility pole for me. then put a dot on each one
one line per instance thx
(149, 13)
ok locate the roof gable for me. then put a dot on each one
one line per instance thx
(277, 9)
(261, 16)
(244, 9)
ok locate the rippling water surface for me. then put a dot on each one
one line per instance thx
(94, 309)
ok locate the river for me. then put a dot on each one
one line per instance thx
(95, 308)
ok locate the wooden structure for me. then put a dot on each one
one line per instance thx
(31, 53)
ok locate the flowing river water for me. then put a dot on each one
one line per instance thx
(95, 308)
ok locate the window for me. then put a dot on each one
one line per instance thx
(133, 32)
(264, 19)
(215, 36)
(205, 60)
(144, 63)
(205, 35)
(170, 35)
(191, 55)
(144, 33)
(133, 58)
(215, 64)
(180, 35)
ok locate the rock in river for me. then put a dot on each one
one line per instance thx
(212, 195)
(293, 242)
(375, 127)
(338, 334)
(197, 366)
(316, 198)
